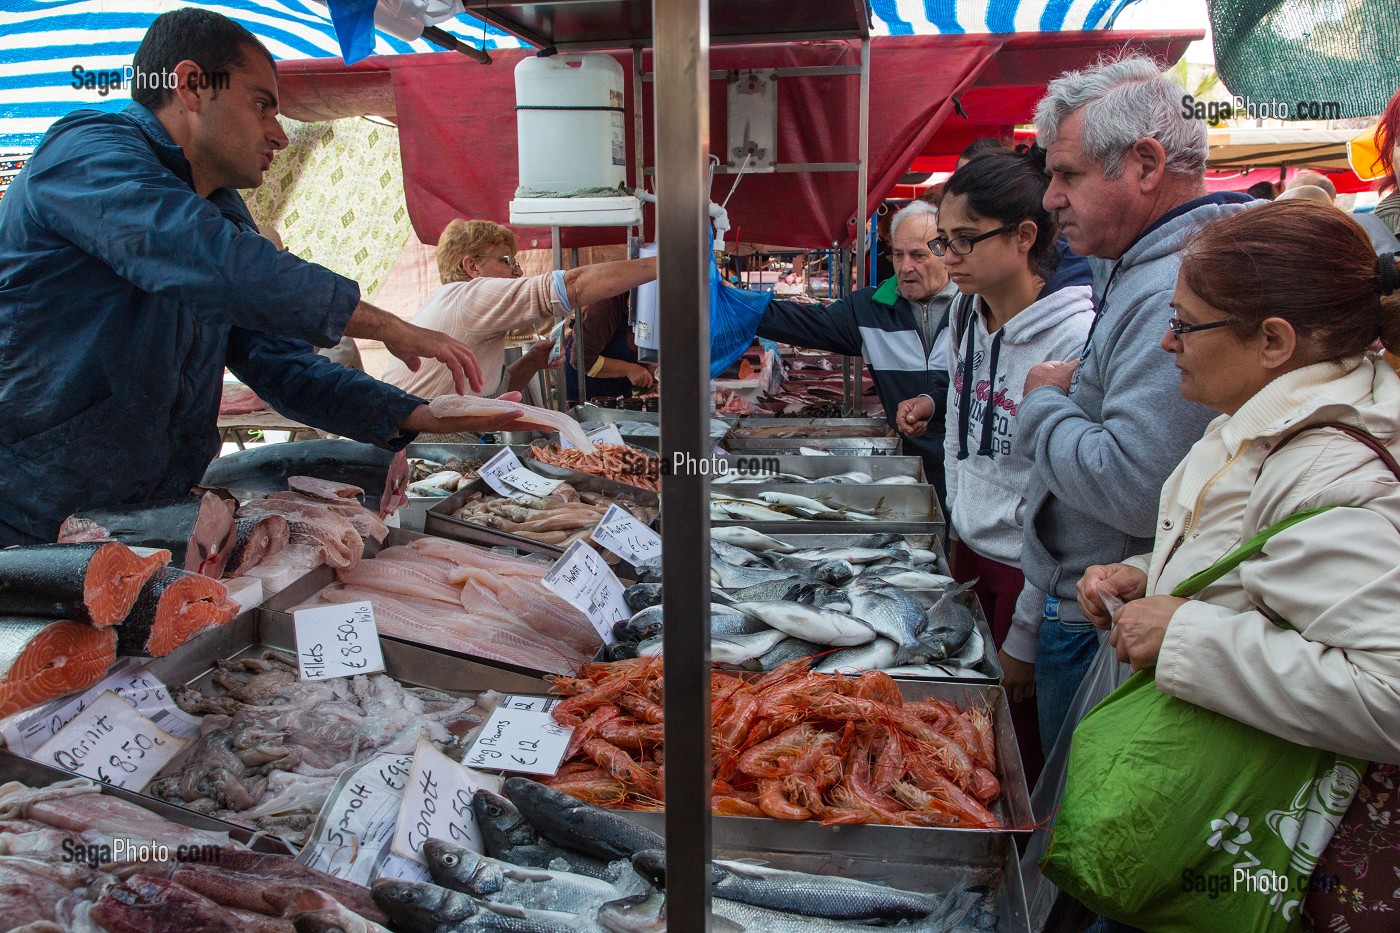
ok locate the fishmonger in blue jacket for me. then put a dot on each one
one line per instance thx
(131, 274)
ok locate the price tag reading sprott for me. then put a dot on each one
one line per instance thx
(113, 743)
(621, 533)
(337, 641)
(585, 581)
(521, 736)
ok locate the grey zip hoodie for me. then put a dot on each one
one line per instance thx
(987, 481)
(1101, 454)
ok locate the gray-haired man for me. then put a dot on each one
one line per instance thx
(1104, 432)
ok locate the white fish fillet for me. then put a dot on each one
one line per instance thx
(452, 406)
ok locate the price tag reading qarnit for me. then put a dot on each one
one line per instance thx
(522, 737)
(584, 580)
(113, 743)
(337, 641)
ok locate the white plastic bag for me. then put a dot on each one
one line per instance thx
(1105, 675)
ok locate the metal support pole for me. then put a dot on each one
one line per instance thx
(682, 112)
(579, 355)
(556, 261)
(855, 396)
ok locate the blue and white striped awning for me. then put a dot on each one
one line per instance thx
(42, 40)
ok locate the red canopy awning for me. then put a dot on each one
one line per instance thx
(458, 136)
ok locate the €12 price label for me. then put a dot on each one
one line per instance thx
(521, 736)
(113, 743)
(337, 641)
(585, 581)
(621, 533)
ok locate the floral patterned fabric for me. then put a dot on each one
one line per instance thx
(1356, 887)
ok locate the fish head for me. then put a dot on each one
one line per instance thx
(502, 827)
(535, 798)
(620, 651)
(641, 913)
(834, 572)
(651, 865)
(644, 624)
(641, 596)
(419, 907)
(461, 869)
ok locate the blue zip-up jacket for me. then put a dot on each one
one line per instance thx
(123, 295)
(878, 324)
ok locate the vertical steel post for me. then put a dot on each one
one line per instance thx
(682, 121)
(556, 261)
(855, 399)
(578, 346)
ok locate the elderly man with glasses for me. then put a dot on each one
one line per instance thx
(484, 296)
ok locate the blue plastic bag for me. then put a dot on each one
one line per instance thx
(734, 318)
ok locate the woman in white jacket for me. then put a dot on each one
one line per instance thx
(1276, 309)
(999, 245)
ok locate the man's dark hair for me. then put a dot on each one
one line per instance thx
(211, 40)
(1263, 190)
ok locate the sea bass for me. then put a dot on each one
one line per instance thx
(574, 824)
(508, 836)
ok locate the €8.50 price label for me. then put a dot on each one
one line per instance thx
(337, 641)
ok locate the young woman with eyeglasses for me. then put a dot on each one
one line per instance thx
(999, 246)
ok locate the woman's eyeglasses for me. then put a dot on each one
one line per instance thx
(961, 246)
(508, 260)
(1178, 328)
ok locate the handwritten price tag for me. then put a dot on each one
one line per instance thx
(113, 743)
(358, 818)
(521, 736)
(498, 466)
(337, 641)
(621, 533)
(25, 732)
(584, 580)
(607, 434)
(530, 482)
(438, 803)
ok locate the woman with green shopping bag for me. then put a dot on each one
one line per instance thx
(1265, 625)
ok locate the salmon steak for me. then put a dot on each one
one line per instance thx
(172, 608)
(41, 659)
(198, 531)
(95, 582)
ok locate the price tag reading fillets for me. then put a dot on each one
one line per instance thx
(621, 533)
(521, 736)
(25, 732)
(498, 466)
(529, 482)
(113, 743)
(337, 641)
(438, 803)
(585, 581)
(607, 434)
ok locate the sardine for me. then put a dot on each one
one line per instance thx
(810, 623)
(508, 836)
(950, 625)
(829, 896)
(750, 539)
(579, 826)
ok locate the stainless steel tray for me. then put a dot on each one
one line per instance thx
(839, 446)
(879, 467)
(413, 514)
(440, 520)
(854, 424)
(910, 509)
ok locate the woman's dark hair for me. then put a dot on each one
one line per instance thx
(211, 40)
(1302, 261)
(980, 147)
(1007, 187)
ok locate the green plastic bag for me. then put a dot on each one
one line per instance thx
(1176, 818)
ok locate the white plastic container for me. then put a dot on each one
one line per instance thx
(647, 329)
(569, 118)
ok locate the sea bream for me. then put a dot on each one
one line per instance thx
(949, 626)
(89, 582)
(823, 626)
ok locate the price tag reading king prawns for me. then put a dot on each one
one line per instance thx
(337, 641)
(522, 737)
(584, 580)
(438, 803)
(498, 466)
(113, 743)
(531, 482)
(626, 537)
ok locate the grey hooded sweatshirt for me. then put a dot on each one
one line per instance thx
(1101, 453)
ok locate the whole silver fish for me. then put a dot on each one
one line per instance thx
(419, 907)
(824, 626)
(920, 580)
(950, 625)
(887, 610)
(640, 596)
(576, 825)
(852, 554)
(733, 554)
(750, 539)
(460, 869)
(646, 913)
(725, 649)
(834, 571)
(775, 590)
(508, 836)
(736, 578)
(790, 649)
(878, 655)
(829, 896)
